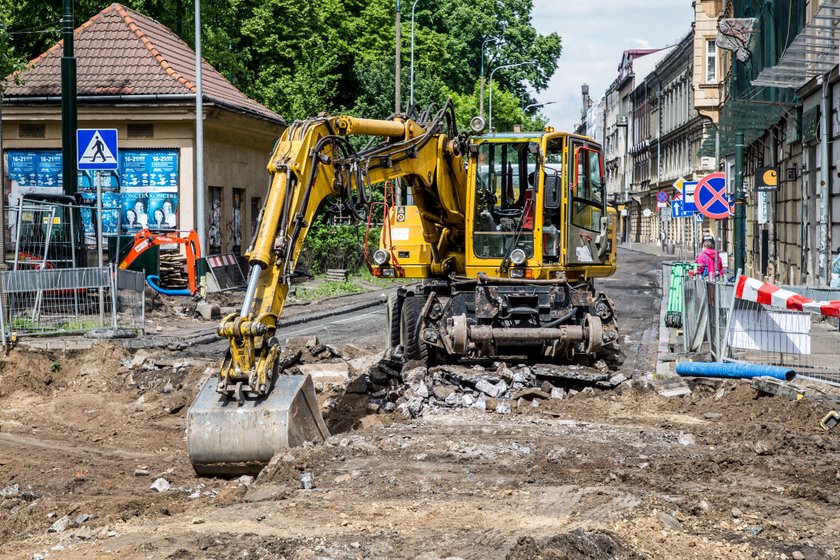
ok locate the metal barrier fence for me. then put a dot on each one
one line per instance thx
(736, 330)
(705, 313)
(803, 341)
(70, 301)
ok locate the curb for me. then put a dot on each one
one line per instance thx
(325, 314)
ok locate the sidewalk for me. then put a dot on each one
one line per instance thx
(652, 249)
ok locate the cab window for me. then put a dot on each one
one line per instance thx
(587, 188)
(505, 199)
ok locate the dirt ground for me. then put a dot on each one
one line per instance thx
(723, 473)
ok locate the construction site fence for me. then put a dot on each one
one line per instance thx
(61, 301)
(736, 330)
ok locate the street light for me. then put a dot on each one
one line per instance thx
(411, 92)
(481, 95)
(534, 105)
(491, 84)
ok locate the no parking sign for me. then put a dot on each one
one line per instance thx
(710, 197)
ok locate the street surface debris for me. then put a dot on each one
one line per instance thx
(485, 460)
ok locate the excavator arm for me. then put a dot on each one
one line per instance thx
(315, 160)
(241, 418)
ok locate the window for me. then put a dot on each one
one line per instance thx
(587, 189)
(711, 61)
(138, 130)
(32, 131)
(505, 201)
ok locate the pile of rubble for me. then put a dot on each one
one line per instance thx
(412, 389)
(493, 387)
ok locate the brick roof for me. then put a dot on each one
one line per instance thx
(121, 52)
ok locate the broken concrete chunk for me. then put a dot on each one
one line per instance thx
(10, 491)
(686, 439)
(441, 392)
(208, 311)
(453, 399)
(307, 481)
(326, 374)
(669, 521)
(558, 393)
(358, 386)
(160, 485)
(60, 525)
(421, 390)
(503, 407)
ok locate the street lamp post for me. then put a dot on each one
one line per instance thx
(535, 105)
(411, 92)
(481, 95)
(491, 84)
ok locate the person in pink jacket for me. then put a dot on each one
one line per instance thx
(706, 260)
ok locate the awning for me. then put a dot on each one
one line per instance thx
(815, 51)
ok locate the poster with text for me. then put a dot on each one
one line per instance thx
(110, 214)
(135, 211)
(149, 170)
(163, 211)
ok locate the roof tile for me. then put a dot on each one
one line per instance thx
(121, 52)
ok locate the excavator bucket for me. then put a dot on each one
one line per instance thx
(228, 437)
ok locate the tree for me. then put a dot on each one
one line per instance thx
(10, 62)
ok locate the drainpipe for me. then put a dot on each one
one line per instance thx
(825, 177)
(771, 207)
(740, 233)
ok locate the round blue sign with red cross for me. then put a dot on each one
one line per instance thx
(710, 197)
(662, 197)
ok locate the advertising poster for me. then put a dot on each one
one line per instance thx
(110, 214)
(35, 168)
(135, 211)
(144, 193)
(149, 170)
(163, 211)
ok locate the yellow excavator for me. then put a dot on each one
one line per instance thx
(506, 233)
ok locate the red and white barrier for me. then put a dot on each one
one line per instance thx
(750, 289)
(217, 261)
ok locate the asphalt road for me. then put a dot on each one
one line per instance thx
(361, 326)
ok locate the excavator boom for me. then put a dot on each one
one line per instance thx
(242, 417)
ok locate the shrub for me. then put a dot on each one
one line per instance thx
(336, 246)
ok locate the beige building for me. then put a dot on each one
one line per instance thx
(138, 77)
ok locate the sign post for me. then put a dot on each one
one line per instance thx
(97, 151)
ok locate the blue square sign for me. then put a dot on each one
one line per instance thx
(97, 149)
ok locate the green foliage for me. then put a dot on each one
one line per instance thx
(55, 366)
(507, 110)
(336, 246)
(327, 289)
(301, 58)
(10, 59)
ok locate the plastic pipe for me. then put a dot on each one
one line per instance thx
(153, 280)
(733, 370)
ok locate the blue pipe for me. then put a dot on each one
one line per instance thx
(153, 280)
(733, 370)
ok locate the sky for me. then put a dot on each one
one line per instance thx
(595, 33)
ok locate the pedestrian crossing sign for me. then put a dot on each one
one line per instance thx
(97, 149)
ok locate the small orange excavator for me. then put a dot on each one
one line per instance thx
(146, 239)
